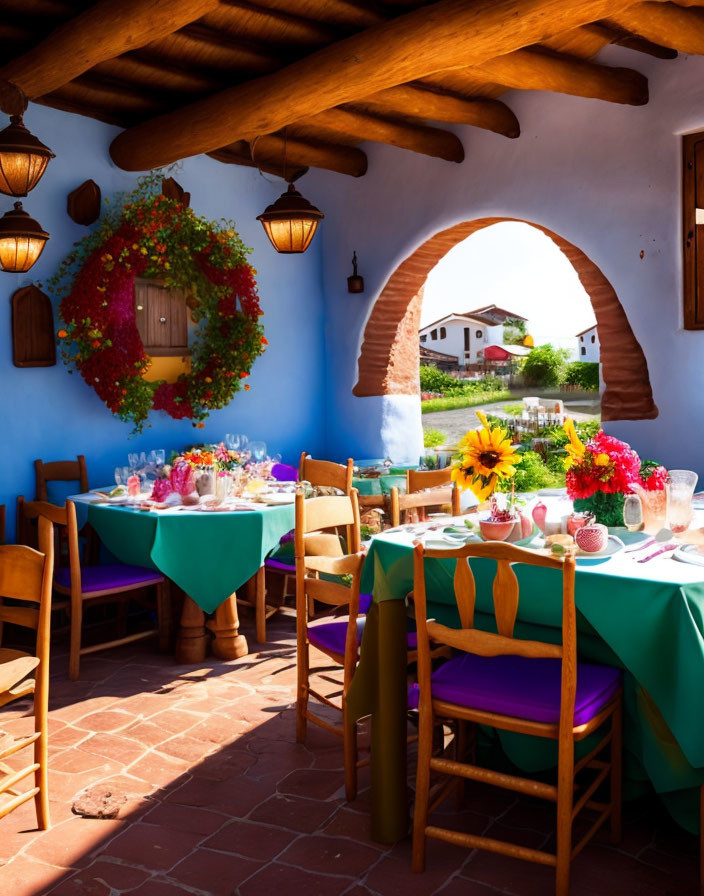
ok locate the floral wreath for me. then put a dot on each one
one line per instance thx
(150, 235)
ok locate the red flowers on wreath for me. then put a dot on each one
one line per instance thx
(151, 236)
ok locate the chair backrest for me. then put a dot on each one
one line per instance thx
(59, 471)
(425, 488)
(26, 576)
(317, 549)
(326, 473)
(62, 518)
(506, 599)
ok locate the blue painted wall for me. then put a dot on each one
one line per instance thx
(47, 413)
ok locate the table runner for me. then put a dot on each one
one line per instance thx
(647, 618)
(207, 554)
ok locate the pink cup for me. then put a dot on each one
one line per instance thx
(592, 538)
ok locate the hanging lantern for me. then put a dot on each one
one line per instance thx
(291, 222)
(23, 159)
(22, 240)
(355, 283)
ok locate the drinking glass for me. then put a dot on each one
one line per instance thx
(160, 456)
(122, 474)
(142, 459)
(133, 459)
(232, 440)
(258, 451)
(244, 441)
(681, 491)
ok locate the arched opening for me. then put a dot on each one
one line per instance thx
(388, 361)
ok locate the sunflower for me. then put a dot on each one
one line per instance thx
(487, 454)
(575, 449)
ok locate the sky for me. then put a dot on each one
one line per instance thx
(519, 268)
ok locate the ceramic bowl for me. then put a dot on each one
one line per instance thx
(495, 531)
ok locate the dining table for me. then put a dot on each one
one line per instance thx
(207, 551)
(645, 617)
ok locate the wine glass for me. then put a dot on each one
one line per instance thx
(160, 454)
(133, 459)
(244, 441)
(232, 440)
(258, 451)
(122, 474)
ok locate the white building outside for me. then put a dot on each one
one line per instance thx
(588, 345)
(466, 335)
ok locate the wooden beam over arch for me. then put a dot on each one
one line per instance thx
(388, 361)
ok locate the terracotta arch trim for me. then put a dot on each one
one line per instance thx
(388, 361)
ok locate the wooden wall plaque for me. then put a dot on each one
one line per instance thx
(693, 230)
(172, 189)
(83, 203)
(33, 343)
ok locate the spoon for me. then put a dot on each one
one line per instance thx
(659, 538)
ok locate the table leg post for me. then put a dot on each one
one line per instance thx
(228, 644)
(388, 758)
(191, 644)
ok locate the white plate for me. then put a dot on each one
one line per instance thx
(613, 546)
(688, 553)
(277, 498)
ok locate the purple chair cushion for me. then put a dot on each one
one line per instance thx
(520, 686)
(280, 565)
(284, 473)
(103, 578)
(330, 636)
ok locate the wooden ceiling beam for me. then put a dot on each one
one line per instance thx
(446, 35)
(665, 24)
(102, 31)
(536, 69)
(274, 150)
(434, 105)
(622, 38)
(345, 13)
(351, 122)
(239, 154)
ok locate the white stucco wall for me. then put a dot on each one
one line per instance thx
(588, 346)
(604, 176)
(453, 343)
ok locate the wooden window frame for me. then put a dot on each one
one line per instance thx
(692, 234)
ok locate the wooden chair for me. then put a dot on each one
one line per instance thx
(25, 579)
(319, 473)
(425, 488)
(99, 584)
(318, 552)
(59, 471)
(529, 687)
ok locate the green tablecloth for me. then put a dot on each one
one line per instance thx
(208, 554)
(647, 618)
(380, 486)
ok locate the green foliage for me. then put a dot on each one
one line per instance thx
(433, 438)
(452, 402)
(532, 474)
(606, 507)
(434, 380)
(584, 374)
(513, 410)
(545, 366)
(557, 435)
(514, 331)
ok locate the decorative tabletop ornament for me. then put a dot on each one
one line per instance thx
(146, 234)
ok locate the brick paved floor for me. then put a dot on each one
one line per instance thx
(223, 801)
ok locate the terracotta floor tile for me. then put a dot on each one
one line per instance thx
(330, 855)
(159, 770)
(105, 720)
(25, 877)
(101, 878)
(186, 818)
(153, 847)
(218, 873)
(158, 888)
(248, 838)
(312, 783)
(112, 746)
(276, 878)
(294, 813)
(70, 843)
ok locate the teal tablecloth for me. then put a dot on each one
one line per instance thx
(646, 618)
(207, 554)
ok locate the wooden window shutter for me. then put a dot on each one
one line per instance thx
(693, 230)
(162, 318)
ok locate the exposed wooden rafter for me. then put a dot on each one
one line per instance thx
(275, 152)
(447, 34)
(92, 37)
(664, 23)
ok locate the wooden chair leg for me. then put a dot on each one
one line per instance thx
(260, 605)
(41, 758)
(350, 749)
(460, 756)
(420, 809)
(303, 674)
(565, 803)
(616, 761)
(164, 617)
(74, 660)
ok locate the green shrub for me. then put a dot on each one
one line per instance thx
(513, 410)
(545, 366)
(434, 380)
(532, 474)
(584, 374)
(433, 438)
(452, 402)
